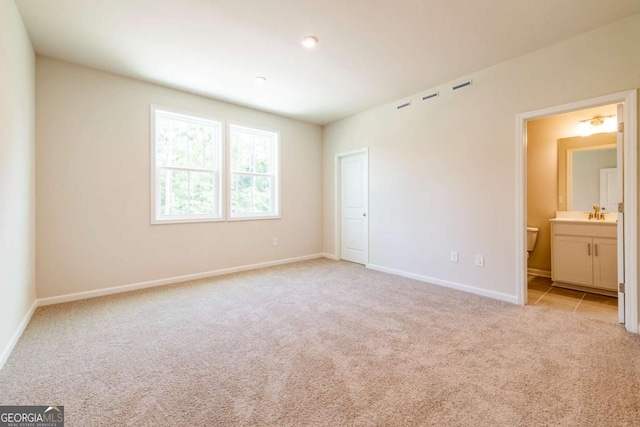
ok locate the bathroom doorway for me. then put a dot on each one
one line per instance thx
(569, 157)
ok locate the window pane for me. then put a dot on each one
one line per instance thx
(182, 143)
(251, 194)
(241, 152)
(262, 155)
(262, 194)
(202, 148)
(174, 192)
(162, 141)
(241, 201)
(183, 192)
(202, 200)
(179, 143)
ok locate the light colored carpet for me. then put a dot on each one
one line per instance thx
(322, 343)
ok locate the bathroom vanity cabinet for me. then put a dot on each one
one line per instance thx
(584, 255)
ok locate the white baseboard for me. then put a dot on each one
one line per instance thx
(17, 334)
(539, 273)
(330, 256)
(169, 281)
(465, 288)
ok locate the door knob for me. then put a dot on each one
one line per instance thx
(364, 214)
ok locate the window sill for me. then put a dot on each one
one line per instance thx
(184, 220)
(253, 218)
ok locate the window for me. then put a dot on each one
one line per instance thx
(187, 151)
(189, 169)
(254, 173)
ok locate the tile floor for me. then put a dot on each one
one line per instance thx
(594, 306)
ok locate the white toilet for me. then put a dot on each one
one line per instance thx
(532, 237)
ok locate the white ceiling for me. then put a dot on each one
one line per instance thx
(370, 51)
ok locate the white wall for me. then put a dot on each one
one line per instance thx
(17, 175)
(443, 172)
(93, 215)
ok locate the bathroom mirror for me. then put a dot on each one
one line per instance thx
(587, 172)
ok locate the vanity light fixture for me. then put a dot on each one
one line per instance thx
(597, 124)
(309, 41)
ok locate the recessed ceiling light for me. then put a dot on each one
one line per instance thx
(310, 41)
(260, 80)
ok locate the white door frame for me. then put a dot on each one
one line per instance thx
(337, 204)
(629, 98)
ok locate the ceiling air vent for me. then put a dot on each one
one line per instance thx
(463, 84)
(433, 95)
(406, 104)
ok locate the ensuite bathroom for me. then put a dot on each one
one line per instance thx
(573, 189)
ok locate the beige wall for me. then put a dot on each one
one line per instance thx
(17, 175)
(542, 174)
(93, 215)
(443, 172)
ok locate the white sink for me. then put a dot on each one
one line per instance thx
(579, 216)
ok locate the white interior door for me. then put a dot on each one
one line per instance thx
(354, 222)
(620, 167)
(609, 196)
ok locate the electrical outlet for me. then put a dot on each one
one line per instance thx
(454, 256)
(275, 241)
(479, 261)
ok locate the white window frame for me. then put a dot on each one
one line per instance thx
(155, 170)
(275, 189)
